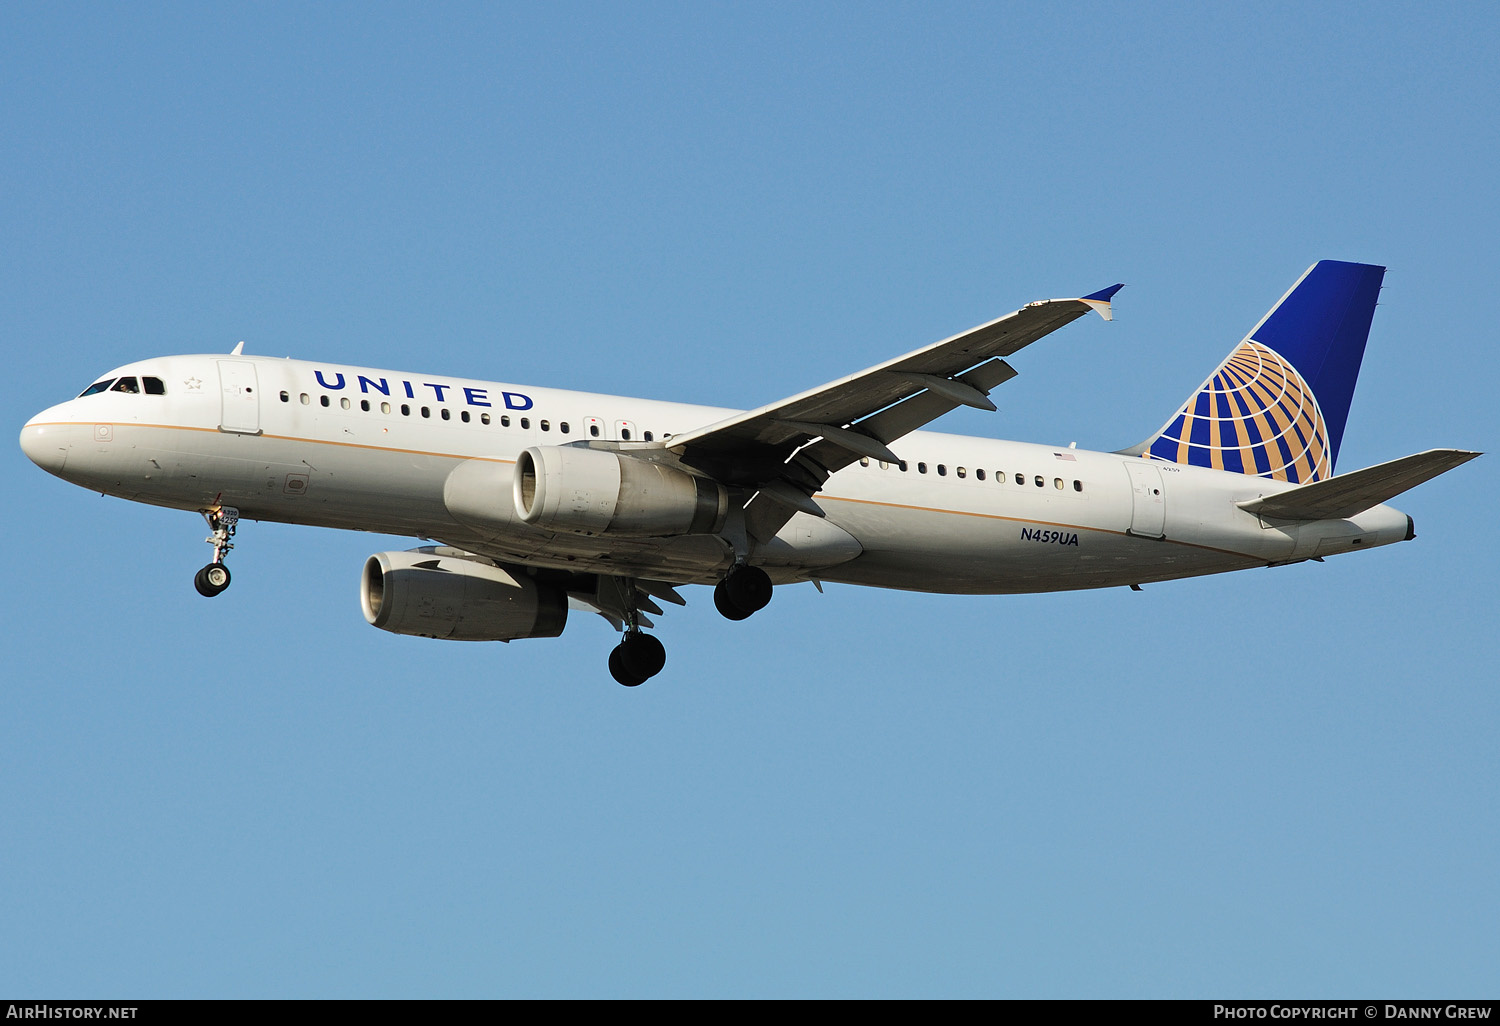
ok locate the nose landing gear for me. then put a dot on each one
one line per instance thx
(214, 578)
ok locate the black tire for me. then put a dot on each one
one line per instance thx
(642, 655)
(725, 605)
(212, 580)
(748, 587)
(618, 671)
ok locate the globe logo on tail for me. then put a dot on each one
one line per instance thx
(1256, 415)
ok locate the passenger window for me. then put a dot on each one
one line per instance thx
(504, 420)
(525, 423)
(942, 470)
(1041, 481)
(427, 412)
(405, 410)
(286, 398)
(979, 475)
(545, 425)
(864, 461)
(1020, 479)
(446, 414)
(345, 403)
(963, 473)
(1078, 486)
(921, 468)
(97, 387)
(903, 466)
(129, 385)
(154, 386)
(385, 407)
(648, 436)
(323, 399)
(364, 405)
(594, 430)
(484, 418)
(563, 427)
(306, 399)
(1057, 483)
(625, 434)
(464, 416)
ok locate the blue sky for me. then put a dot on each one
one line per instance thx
(1274, 783)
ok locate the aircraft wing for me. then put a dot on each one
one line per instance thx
(788, 449)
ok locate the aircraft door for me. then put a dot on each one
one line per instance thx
(240, 396)
(1148, 507)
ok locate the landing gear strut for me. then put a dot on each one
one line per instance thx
(214, 578)
(744, 590)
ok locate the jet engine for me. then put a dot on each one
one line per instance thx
(596, 491)
(432, 594)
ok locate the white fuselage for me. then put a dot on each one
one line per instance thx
(370, 450)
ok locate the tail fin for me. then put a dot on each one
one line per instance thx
(1276, 407)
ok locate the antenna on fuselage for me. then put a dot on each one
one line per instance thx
(237, 350)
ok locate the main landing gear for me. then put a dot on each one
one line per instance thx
(744, 590)
(214, 578)
(637, 658)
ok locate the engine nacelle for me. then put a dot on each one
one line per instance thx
(596, 491)
(430, 595)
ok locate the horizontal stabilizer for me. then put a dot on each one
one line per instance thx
(1347, 495)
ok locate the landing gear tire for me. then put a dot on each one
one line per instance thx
(211, 580)
(642, 655)
(746, 590)
(636, 659)
(726, 606)
(618, 671)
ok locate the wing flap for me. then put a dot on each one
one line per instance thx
(1347, 495)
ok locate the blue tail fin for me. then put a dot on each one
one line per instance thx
(1276, 407)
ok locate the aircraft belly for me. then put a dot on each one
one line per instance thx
(969, 553)
(808, 543)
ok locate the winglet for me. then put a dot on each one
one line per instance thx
(1100, 300)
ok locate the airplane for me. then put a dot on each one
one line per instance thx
(536, 501)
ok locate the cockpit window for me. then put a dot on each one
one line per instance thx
(130, 386)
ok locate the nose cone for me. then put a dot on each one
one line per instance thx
(45, 444)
